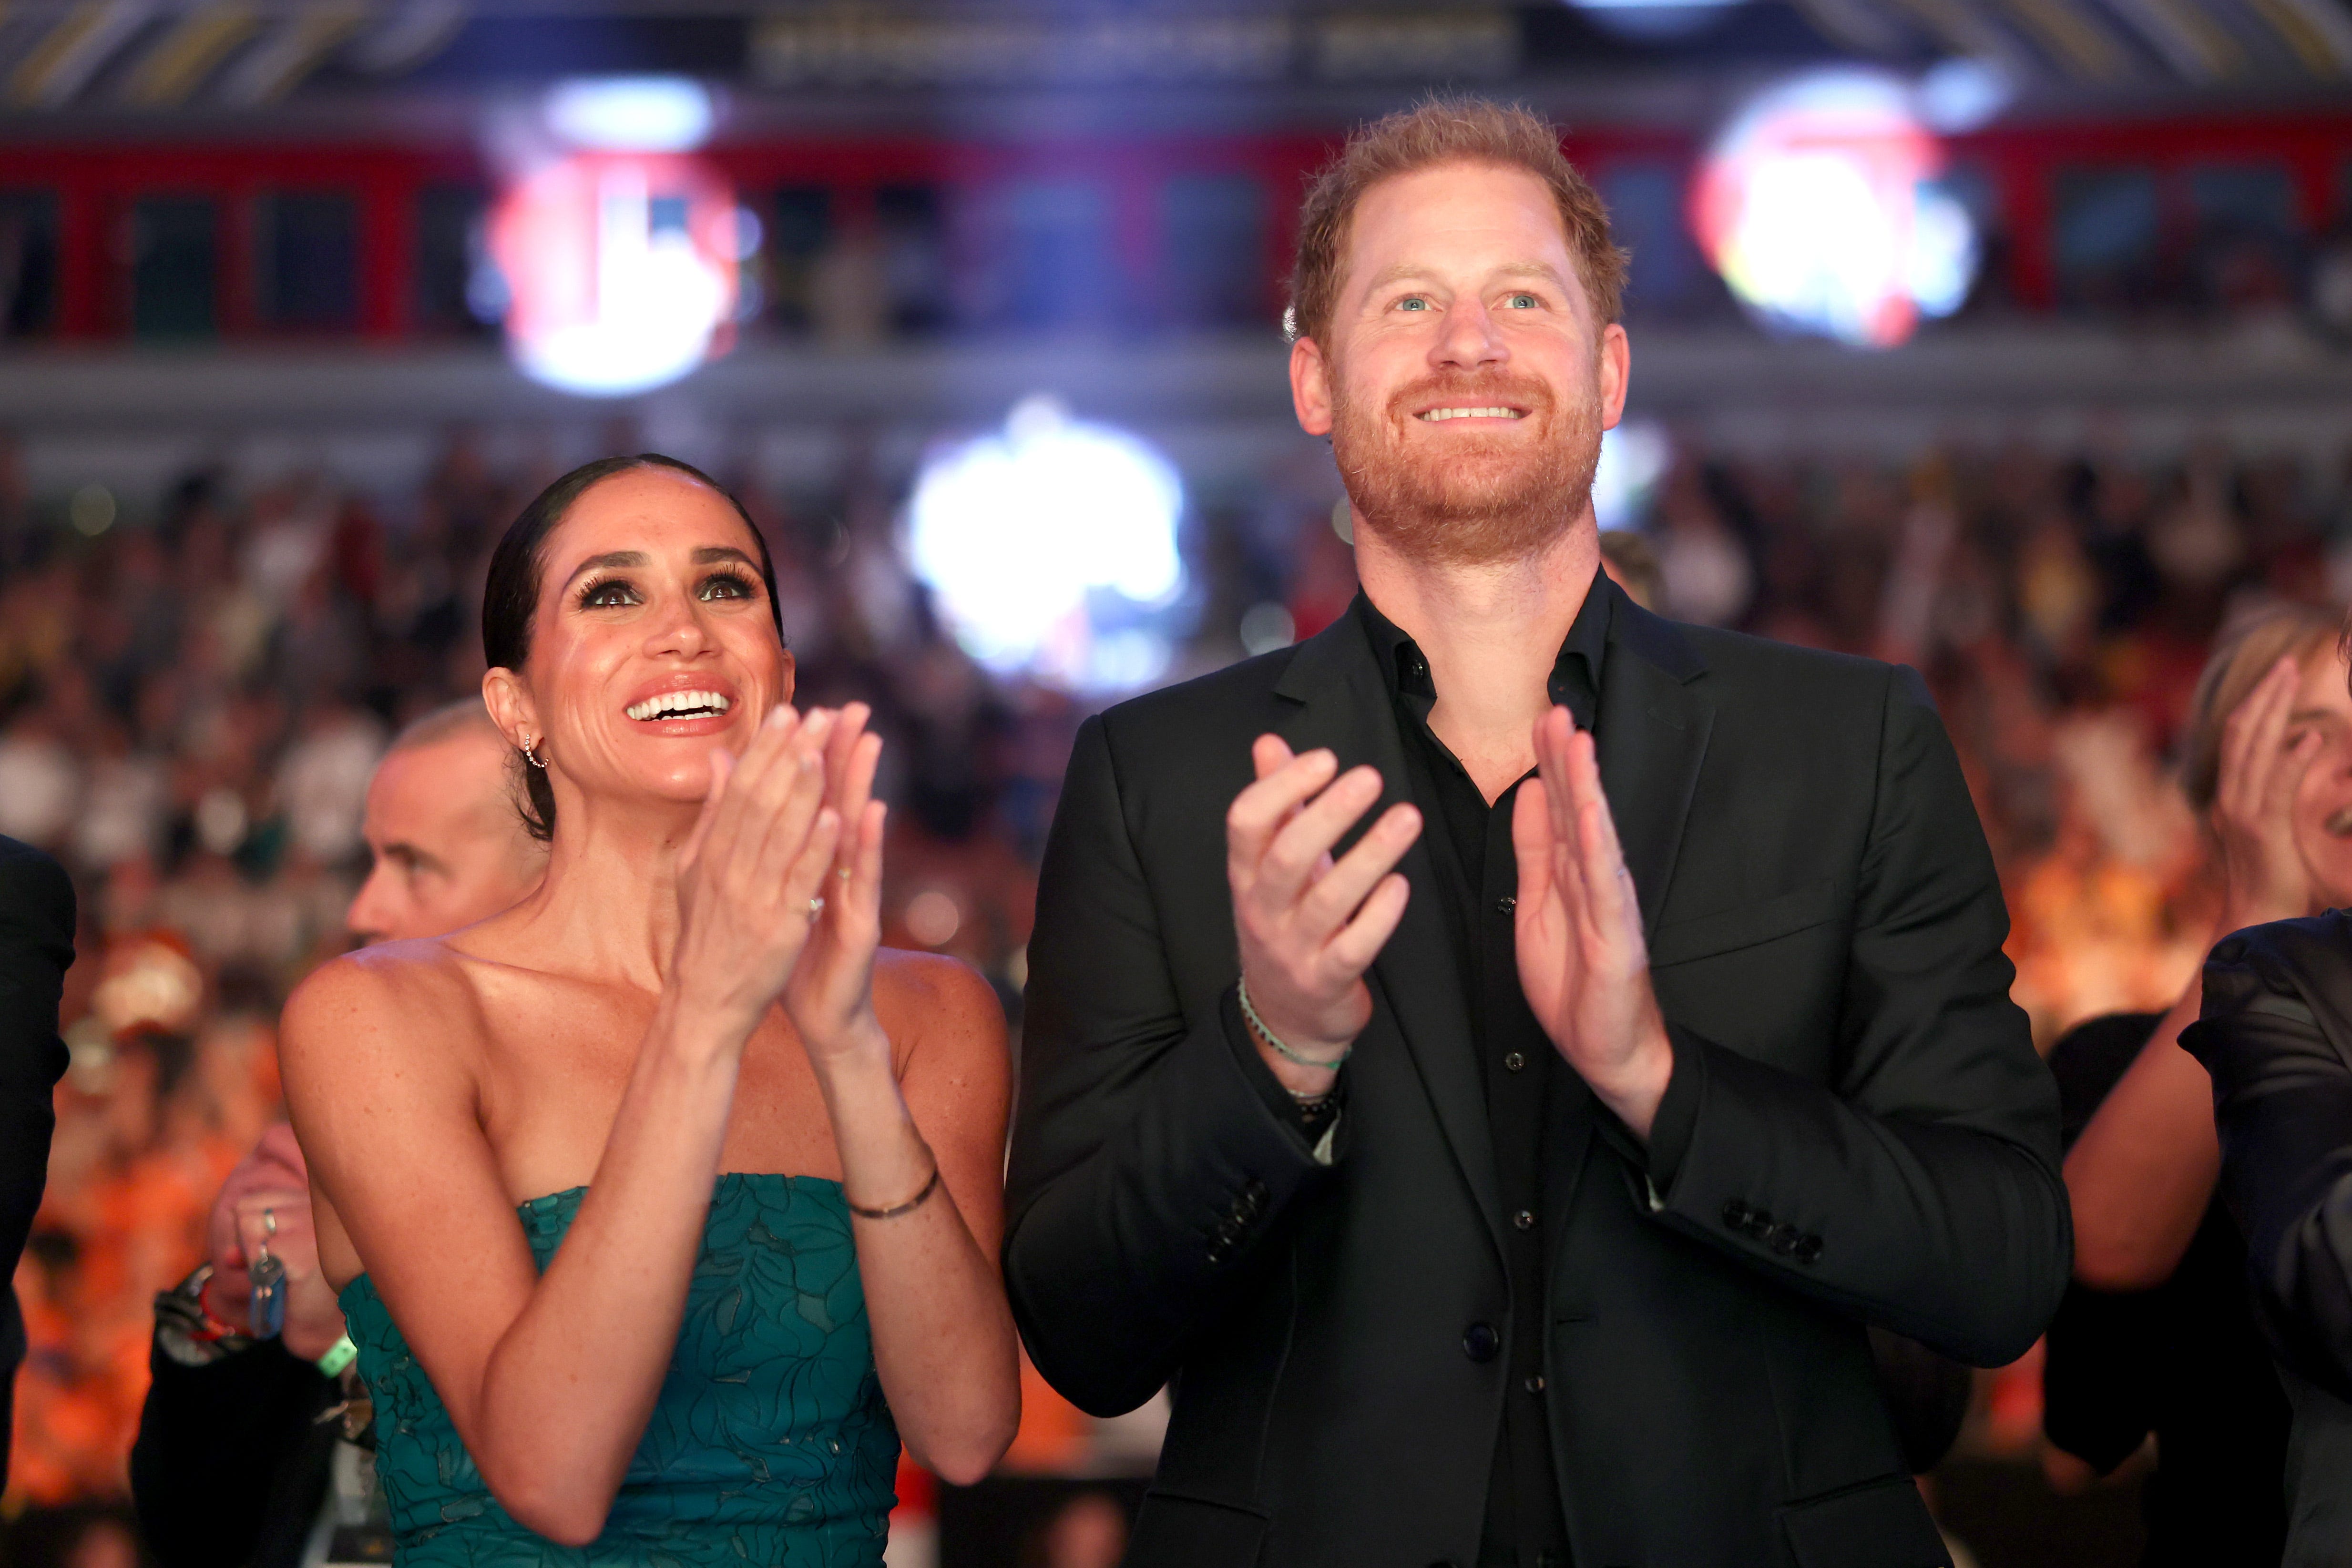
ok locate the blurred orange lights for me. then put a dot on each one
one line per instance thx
(620, 269)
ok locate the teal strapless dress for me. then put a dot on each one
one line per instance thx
(770, 1442)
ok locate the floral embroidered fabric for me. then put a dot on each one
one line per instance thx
(770, 1442)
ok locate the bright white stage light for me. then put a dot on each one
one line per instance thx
(1050, 545)
(1653, 21)
(1633, 458)
(631, 114)
(1818, 207)
(620, 270)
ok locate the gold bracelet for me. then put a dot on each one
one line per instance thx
(896, 1209)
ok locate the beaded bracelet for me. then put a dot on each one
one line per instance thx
(1280, 1049)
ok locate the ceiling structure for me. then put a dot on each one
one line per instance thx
(134, 66)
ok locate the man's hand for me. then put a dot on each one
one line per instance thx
(274, 1178)
(1309, 928)
(2264, 874)
(1583, 960)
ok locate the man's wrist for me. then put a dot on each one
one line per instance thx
(1311, 1076)
(1635, 1093)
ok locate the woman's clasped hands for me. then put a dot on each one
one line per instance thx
(779, 884)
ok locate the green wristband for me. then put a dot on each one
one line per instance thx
(343, 1353)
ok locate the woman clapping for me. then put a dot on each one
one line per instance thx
(663, 1205)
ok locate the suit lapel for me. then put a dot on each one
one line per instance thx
(1345, 705)
(1653, 731)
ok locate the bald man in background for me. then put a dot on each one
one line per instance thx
(232, 1459)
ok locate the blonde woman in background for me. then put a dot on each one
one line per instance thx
(2155, 1335)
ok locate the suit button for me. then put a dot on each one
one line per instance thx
(1782, 1238)
(1735, 1214)
(1808, 1250)
(1514, 1061)
(1525, 1219)
(1255, 1193)
(1535, 1384)
(1480, 1342)
(1504, 904)
(1759, 1223)
(1220, 1250)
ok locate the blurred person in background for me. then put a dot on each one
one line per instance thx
(232, 1463)
(2156, 1334)
(1467, 1224)
(37, 946)
(1632, 565)
(2275, 1034)
(664, 1204)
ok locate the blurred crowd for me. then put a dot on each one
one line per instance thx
(194, 691)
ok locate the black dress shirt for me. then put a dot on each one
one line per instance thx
(1477, 872)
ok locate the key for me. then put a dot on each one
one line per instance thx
(269, 1276)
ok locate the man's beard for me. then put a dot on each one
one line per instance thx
(1477, 497)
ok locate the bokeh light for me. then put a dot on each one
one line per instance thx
(631, 114)
(619, 270)
(1633, 458)
(1050, 545)
(1818, 206)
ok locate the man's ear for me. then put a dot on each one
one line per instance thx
(511, 708)
(1616, 369)
(1311, 387)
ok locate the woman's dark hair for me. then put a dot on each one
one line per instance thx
(510, 596)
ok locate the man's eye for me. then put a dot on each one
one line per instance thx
(1413, 303)
(608, 595)
(1521, 302)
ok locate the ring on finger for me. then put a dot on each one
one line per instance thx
(816, 906)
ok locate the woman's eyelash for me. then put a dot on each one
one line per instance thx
(594, 586)
(586, 596)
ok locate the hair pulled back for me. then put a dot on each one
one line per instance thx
(510, 595)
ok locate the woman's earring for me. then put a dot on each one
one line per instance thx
(531, 755)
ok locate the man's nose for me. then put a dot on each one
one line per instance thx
(1469, 338)
(371, 914)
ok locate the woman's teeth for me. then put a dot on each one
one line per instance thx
(678, 705)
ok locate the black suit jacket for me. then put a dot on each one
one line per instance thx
(2277, 1035)
(1874, 1140)
(231, 1462)
(37, 933)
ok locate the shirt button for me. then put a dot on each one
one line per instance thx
(1504, 904)
(1514, 1061)
(1480, 1342)
(1535, 1384)
(1525, 1219)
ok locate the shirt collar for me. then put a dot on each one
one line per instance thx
(1575, 680)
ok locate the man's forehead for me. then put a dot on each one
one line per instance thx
(438, 778)
(1432, 220)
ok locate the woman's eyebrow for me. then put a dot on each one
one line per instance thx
(707, 554)
(611, 557)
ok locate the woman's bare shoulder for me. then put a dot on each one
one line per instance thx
(933, 986)
(420, 983)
